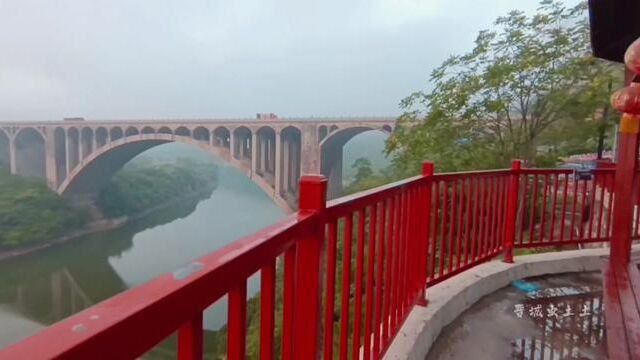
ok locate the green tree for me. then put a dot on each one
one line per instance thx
(529, 75)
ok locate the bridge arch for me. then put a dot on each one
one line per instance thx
(147, 130)
(222, 137)
(201, 133)
(115, 133)
(182, 131)
(102, 136)
(30, 153)
(96, 169)
(5, 148)
(165, 130)
(86, 141)
(131, 130)
(242, 143)
(331, 154)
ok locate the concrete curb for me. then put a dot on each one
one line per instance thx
(452, 297)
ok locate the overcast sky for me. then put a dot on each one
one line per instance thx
(165, 58)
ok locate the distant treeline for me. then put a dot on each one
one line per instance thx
(138, 188)
(31, 213)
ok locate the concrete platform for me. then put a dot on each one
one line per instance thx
(452, 297)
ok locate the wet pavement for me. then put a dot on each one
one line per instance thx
(559, 318)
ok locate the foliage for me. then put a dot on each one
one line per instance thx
(366, 178)
(530, 76)
(138, 188)
(30, 212)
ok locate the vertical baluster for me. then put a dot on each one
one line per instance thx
(482, 221)
(524, 178)
(553, 207)
(346, 287)
(237, 325)
(493, 218)
(534, 202)
(443, 226)
(563, 212)
(330, 291)
(543, 209)
(434, 237)
(592, 206)
(452, 225)
(190, 339)
(573, 207)
(267, 309)
(460, 215)
(379, 280)
(601, 205)
(475, 245)
(358, 291)
(396, 265)
(610, 206)
(469, 218)
(388, 284)
(368, 317)
(583, 207)
(500, 213)
(287, 303)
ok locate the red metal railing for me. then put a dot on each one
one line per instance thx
(351, 269)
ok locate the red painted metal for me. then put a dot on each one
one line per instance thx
(190, 339)
(330, 291)
(287, 303)
(420, 232)
(306, 319)
(371, 246)
(346, 287)
(237, 328)
(267, 309)
(357, 323)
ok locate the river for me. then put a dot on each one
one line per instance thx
(41, 288)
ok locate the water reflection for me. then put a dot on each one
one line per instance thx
(74, 276)
(569, 327)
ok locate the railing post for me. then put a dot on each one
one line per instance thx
(306, 326)
(425, 221)
(512, 211)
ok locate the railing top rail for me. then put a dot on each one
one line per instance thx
(132, 322)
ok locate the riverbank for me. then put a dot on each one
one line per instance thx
(99, 226)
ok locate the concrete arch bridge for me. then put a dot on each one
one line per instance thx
(77, 157)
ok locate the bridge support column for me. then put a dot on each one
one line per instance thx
(278, 162)
(286, 164)
(232, 144)
(51, 170)
(254, 153)
(12, 155)
(310, 150)
(67, 151)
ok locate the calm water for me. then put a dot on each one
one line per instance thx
(39, 289)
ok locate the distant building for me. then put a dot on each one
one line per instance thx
(74, 119)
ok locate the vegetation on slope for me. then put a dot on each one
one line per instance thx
(139, 188)
(30, 212)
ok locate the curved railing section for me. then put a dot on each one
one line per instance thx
(346, 273)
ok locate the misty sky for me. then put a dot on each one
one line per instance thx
(157, 58)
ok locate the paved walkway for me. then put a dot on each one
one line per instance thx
(562, 319)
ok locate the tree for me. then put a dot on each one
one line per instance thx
(529, 75)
